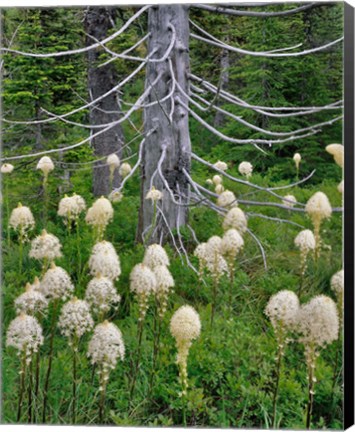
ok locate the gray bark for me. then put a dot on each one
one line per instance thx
(98, 21)
(173, 136)
(224, 62)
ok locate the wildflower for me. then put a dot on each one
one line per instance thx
(318, 208)
(337, 285)
(227, 199)
(217, 179)
(45, 247)
(115, 196)
(143, 283)
(154, 195)
(337, 282)
(56, 284)
(337, 151)
(164, 281)
(289, 201)
(221, 166)
(297, 158)
(209, 182)
(318, 325)
(46, 165)
(341, 187)
(215, 263)
(70, 207)
(104, 261)
(306, 243)
(6, 168)
(155, 255)
(185, 326)
(219, 189)
(246, 169)
(25, 334)
(106, 347)
(101, 294)
(22, 220)
(100, 215)
(125, 169)
(75, 320)
(318, 322)
(232, 243)
(201, 254)
(235, 218)
(31, 302)
(113, 161)
(282, 310)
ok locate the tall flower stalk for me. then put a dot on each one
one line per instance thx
(185, 326)
(74, 321)
(46, 165)
(318, 325)
(105, 348)
(306, 243)
(282, 310)
(7, 168)
(25, 335)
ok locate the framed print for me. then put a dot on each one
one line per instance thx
(178, 215)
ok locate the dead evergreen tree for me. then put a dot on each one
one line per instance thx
(97, 22)
(171, 96)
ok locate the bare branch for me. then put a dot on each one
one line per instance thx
(259, 245)
(267, 54)
(85, 49)
(234, 12)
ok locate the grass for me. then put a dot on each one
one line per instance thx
(231, 367)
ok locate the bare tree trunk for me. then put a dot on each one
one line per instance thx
(224, 62)
(171, 137)
(98, 21)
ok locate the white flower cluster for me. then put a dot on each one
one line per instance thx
(221, 165)
(46, 165)
(101, 294)
(341, 187)
(318, 208)
(75, 320)
(337, 282)
(246, 169)
(227, 199)
(155, 255)
(337, 151)
(99, 215)
(143, 283)
(6, 168)
(305, 241)
(22, 220)
(106, 347)
(71, 207)
(154, 195)
(25, 334)
(31, 301)
(115, 196)
(125, 169)
(232, 243)
(210, 258)
(217, 179)
(282, 310)
(113, 161)
(289, 201)
(56, 284)
(235, 219)
(104, 261)
(318, 322)
(297, 158)
(45, 247)
(185, 326)
(164, 281)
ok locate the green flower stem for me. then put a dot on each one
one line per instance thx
(138, 356)
(276, 389)
(7, 211)
(102, 398)
(50, 359)
(22, 387)
(30, 389)
(75, 350)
